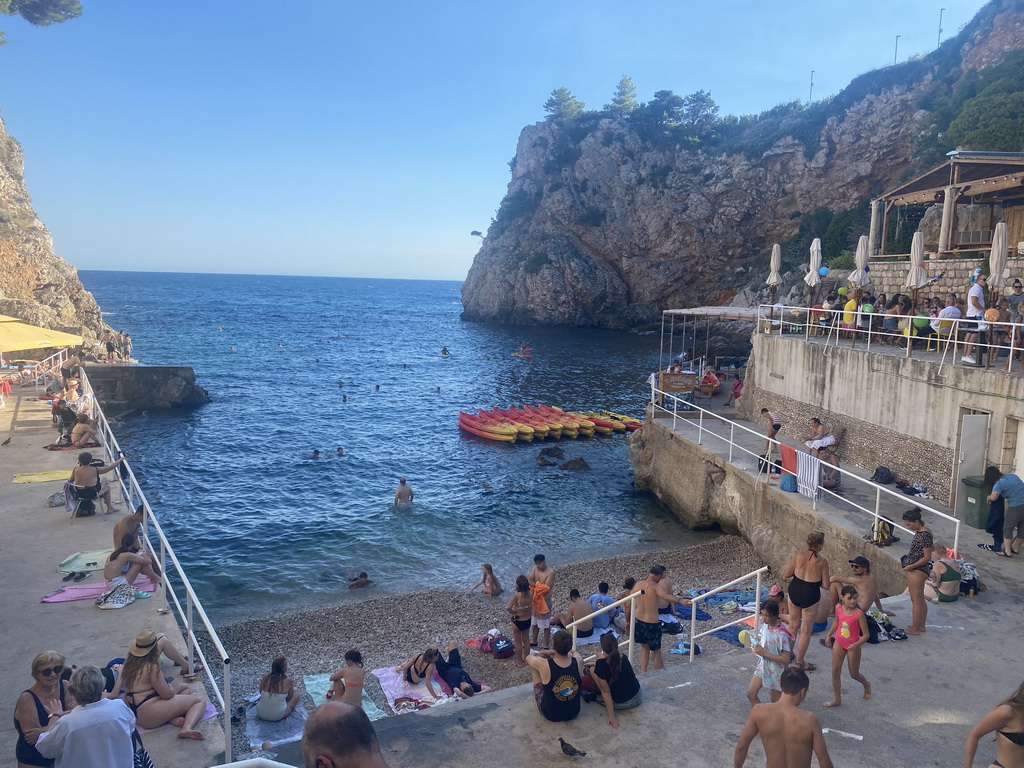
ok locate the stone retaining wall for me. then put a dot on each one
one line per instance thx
(889, 276)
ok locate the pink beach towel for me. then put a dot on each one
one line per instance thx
(72, 592)
(210, 711)
(395, 686)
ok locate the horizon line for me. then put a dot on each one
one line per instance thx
(270, 274)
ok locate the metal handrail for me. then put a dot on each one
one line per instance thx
(45, 368)
(781, 316)
(132, 495)
(631, 599)
(818, 487)
(694, 600)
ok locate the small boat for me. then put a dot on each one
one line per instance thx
(487, 425)
(524, 431)
(502, 438)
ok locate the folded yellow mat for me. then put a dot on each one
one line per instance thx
(42, 477)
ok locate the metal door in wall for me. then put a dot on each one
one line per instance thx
(971, 451)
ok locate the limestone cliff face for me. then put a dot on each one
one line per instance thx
(602, 228)
(36, 285)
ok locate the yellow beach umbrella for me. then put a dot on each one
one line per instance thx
(16, 336)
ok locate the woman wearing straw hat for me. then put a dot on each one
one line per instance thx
(150, 697)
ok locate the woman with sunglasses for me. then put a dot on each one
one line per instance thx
(40, 707)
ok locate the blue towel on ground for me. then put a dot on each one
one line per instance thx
(686, 612)
(729, 634)
(741, 594)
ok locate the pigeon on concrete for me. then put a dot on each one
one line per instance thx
(569, 749)
(6, 442)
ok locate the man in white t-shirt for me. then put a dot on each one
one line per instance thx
(948, 312)
(975, 315)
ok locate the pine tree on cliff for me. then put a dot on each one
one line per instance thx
(41, 13)
(562, 106)
(624, 100)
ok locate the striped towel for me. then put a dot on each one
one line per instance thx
(808, 470)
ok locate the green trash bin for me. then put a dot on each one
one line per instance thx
(974, 501)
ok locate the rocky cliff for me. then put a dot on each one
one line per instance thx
(605, 225)
(36, 285)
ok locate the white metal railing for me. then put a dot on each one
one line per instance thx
(995, 338)
(879, 490)
(131, 493)
(49, 368)
(694, 600)
(631, 599)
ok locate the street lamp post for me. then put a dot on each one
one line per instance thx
(896, 53)
(941, 11)
(810, 92)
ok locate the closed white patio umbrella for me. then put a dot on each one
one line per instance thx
(916, 277)
(859, 277)
(997, 259)
(812, 278)
(774, 278)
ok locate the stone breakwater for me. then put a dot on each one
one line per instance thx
(388, 630)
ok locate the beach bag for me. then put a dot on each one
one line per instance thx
(671, 628)
(788, 483)
(64, 440)
(502, 647)
(873, 630)
(763, 465)
(120, 596)
(883, 476)
(881, 532)
(140, 755)
(55, 499)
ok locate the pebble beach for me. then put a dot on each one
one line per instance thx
(387, 630)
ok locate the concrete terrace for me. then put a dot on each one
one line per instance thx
(35, 539)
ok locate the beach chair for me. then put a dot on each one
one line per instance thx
(83, 496)
(941, 337)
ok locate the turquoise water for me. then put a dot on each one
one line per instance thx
(260, 526)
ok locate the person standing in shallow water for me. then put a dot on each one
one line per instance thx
(403, 493)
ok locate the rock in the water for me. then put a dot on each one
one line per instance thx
(553, 451)
(577, 463)
(544, 461)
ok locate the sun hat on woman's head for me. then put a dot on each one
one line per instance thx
(143, 643)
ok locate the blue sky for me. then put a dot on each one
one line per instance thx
(333, 138)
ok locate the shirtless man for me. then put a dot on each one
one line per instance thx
(788, 734)
(541, 574)
(648, 626)
(622, 619)
(128, 524)
(664, 606)
(87, 476)
(867, 587)
(578, 609)
(403, 493)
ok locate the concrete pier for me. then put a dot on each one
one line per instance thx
(35, 539)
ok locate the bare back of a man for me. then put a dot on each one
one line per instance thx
(788, 734)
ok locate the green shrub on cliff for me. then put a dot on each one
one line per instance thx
(535, 262)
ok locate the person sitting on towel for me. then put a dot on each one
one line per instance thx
(83, 432)
(578, 609)
(454, 675)
(599, 600)
(664, 606)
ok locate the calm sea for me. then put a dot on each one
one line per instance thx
(262, 527)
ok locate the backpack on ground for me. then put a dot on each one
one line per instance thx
(502, 647)
(881, 532)
(883, 476)
(764, 465)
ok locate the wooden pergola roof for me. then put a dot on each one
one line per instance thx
(987, 177)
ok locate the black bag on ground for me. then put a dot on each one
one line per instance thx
(883, 476)
(763, 465)
(873, 629)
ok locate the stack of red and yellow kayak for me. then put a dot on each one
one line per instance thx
(540, 421)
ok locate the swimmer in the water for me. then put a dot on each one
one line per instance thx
(315, 454)
(376, 388)
(232, 349)
(444, 351)
(340, 452)
(344, 398)
(341, 384)
(359, 581)
(403, 493)
(438, 390)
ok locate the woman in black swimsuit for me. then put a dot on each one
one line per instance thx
(521, 608)
(809, 573)
(39, 708)
(1007, 720)
(150, 697)
(916, 565)
(420, 668)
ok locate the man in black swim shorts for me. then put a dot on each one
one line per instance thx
(647, 629)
